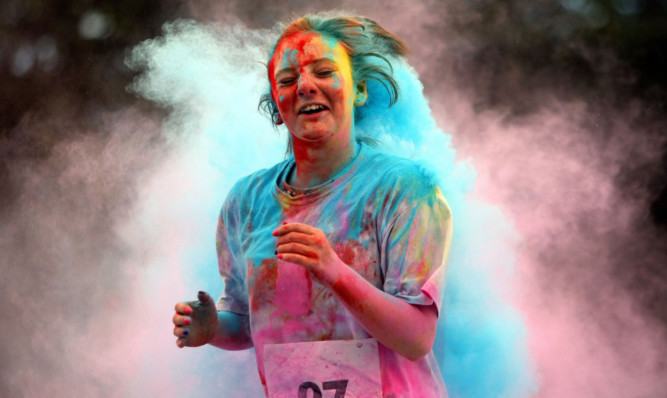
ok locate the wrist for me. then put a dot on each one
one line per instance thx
(213, 327)
(334, 274)
(339, 275)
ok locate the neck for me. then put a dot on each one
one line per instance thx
(316, 164)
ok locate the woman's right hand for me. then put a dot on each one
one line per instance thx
(195, 322)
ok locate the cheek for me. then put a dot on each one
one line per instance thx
(337, 89)
(345, 96)
(283, 101)
(278, 97)
(345, 91)
(278, 94)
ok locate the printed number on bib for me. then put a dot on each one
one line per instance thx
(323, 369)
(339, 385)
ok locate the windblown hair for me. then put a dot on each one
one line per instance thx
(363, 39)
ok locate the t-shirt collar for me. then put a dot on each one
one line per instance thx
(286, 192)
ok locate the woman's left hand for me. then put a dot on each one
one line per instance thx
(309, 247)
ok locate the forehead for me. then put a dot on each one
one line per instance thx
(302, 48)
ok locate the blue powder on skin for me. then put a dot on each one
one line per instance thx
(330, 43)
(336, 83)
(293, 57)
(286, 59)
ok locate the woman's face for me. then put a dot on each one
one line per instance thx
(311, 82)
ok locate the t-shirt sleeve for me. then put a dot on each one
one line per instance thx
(416, 249)
(234, 296)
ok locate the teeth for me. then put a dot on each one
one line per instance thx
(311, 108)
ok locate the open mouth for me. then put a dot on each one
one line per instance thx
(312, 109)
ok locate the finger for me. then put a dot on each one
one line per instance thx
(205, 298)
(296, 248)
(294, 227)
(180, 343)
(180, 320)
(296, 237)
(181, 332)
(298, 259)
(183, 308)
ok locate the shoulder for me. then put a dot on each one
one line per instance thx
(258, 181)
(258, 185)
(396, 173)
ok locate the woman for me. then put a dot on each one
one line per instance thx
(339, 242)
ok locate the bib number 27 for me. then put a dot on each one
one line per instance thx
(339, 385)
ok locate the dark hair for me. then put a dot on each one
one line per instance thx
(363, 39)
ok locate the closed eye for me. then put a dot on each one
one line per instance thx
(325, 72)
(286, 81)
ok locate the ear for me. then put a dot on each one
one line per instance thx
(278, 120)
(362, 94)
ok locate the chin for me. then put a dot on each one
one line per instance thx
(312, 136)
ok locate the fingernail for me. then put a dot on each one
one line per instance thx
(188, 310)
(201, 292)
(185, 332)
(280, 256)
(186, 321)
(284, 222)
(275, 252)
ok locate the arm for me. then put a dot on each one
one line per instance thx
(232, 332)
(388, 319)
(199, 322)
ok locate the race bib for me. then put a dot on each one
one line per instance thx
(323, 369)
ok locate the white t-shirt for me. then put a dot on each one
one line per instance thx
(385, 218)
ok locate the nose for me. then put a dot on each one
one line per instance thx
(306, 85)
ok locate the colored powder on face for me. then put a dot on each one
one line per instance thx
(286, 61)
(294, 57)
(282, 97)
(481, 343)
(336, 83)
(329, 42)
